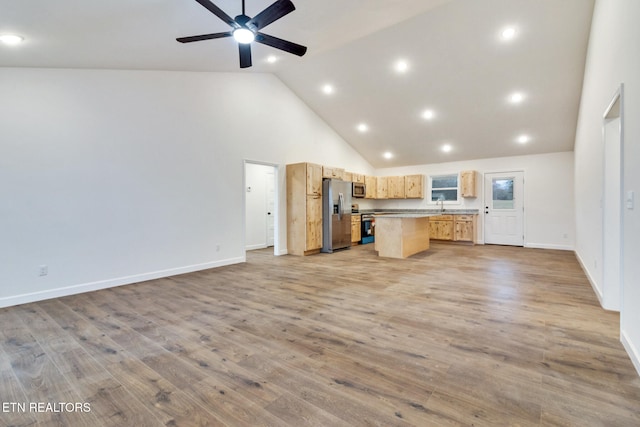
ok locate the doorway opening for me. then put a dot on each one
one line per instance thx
(504, 208)
(260, 206)
(612, 200)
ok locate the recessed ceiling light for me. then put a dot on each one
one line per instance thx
(523, 139)
(428, 114)
(516, 97)
(327, 89)
(401, 66)
(362, 127)
(387, 155)
(271, 59)
(508, 33)
(11, 39)
(447, 148)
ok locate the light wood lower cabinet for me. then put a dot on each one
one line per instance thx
(356, 230)
(441, 227)
(465, 228)
(313, 240)
(457, 228)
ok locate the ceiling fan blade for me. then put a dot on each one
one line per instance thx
(245, 55)
(272, 13)
(204, 37)
(218, 12)
(285, 45)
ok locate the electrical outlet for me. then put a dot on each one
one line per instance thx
(43, 270)
(565, 235)
(217, 248)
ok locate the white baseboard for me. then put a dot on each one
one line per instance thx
(632, 351)
(591, 280)
(254, 247)
(111, 283)
(548, 246)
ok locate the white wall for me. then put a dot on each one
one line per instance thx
(113, 177)
(612, 59)
(548, 189)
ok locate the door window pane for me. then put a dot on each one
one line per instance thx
(503, 193)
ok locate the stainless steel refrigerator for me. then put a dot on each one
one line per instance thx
(336, 215)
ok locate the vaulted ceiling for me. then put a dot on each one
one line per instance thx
(457, 64)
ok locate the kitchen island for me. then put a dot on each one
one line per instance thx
(401, 235)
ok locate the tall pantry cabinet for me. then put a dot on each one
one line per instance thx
(304, 208)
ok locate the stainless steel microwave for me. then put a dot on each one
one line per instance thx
(358, 190)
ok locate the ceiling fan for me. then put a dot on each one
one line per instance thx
(246, 30)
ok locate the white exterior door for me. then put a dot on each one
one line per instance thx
(504, 208)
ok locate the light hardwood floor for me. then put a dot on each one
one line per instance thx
(459, 335)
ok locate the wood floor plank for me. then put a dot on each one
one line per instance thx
(458, 335)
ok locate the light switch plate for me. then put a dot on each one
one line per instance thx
(629, 199)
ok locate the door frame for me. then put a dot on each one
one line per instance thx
(613, 111)
(276, 213)
(485, 201)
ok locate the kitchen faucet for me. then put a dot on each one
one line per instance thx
(441, 200)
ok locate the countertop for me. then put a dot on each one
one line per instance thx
(404, 215)
(418, 213)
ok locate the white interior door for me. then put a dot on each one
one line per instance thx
(504, 208)
(260, 205)
(271, 205)
(612, 211)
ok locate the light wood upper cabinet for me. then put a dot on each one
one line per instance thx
(357, 177)
(304, 208)
(468, 184)
(329, 172)
(347, 176)
(371, 187)
(414, 186)
(314, 179)
(395, 187)
(382, 187)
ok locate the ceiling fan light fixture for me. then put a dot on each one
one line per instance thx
(244, 35)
